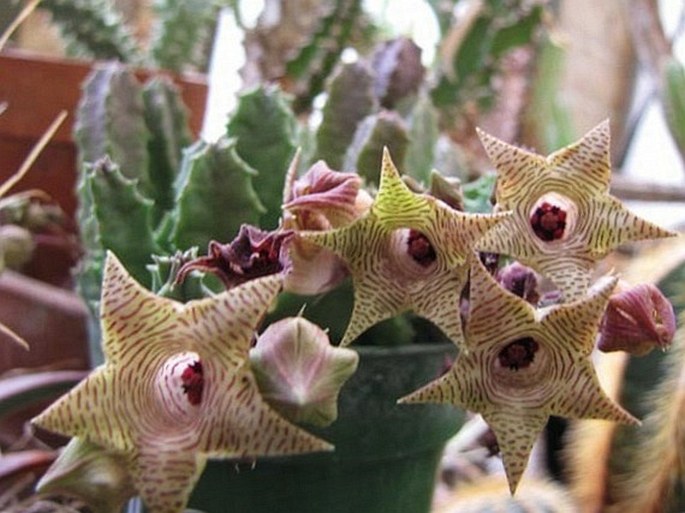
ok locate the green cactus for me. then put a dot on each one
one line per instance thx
(180, 40)
(385, 129)
(316, 60)
(123, 216)
(491, 29)
(110, 121)
(265, 131)
(181, 31)
(167, 120)
(423, 137)
(674, 100)
(350, 100)
(214, 196)
(94, 29)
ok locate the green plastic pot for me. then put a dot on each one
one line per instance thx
(386, 455)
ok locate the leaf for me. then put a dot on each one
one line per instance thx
(214, 195)
(264, 129)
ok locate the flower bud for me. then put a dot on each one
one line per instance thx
(520, 280)
(90, 473)
(320, 199)
(636, 320)
(299, 373)
(16, 245)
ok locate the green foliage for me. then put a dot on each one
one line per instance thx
(110, 121)
(497, 27)
(478, 194)
(385, 129)
(316, 60)
(674, 100)
(264, 128)
(423, 136)
(94, 29)
(182, 29)
(167, 120)
(123, 216)
(180, 40)
(214, 195)
(350, 100)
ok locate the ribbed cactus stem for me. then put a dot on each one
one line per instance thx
(214, 195)
(167, 119)
(265, 128)
(653, 466)
(123, 216)
(110, 122)
(94, 28)
(378, 131)
(350, 100)
(181, 32)
(316, 60)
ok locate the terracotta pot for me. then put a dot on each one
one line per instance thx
(36, 89)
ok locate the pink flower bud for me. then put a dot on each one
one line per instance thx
(636, 320)
(299, 373)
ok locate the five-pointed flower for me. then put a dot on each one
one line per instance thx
(524, 364)
(176, 387)
(564, 219)
(408, 252)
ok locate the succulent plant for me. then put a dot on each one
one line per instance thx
(354, 238)
(180, 37)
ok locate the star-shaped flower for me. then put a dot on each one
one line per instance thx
(176, 387)
(564, 219)
(524, 364)
(408, 252)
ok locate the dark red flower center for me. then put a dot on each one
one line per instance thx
(193, 382)
(518, 354)
(548, 222)
(420, 248)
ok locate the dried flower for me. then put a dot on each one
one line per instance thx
(252, 254)
(298, 371)
(637, 320)
(522, 365)
(408, 252)
(564, 219)
(176, 387)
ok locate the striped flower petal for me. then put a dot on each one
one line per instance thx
(564, 219)
(408, 252)
(176, 387)
(523, 365)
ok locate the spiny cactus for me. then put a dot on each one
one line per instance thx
(351, 99)
(472, 55)
(316, 60)
(94, 28)
(180, 33)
